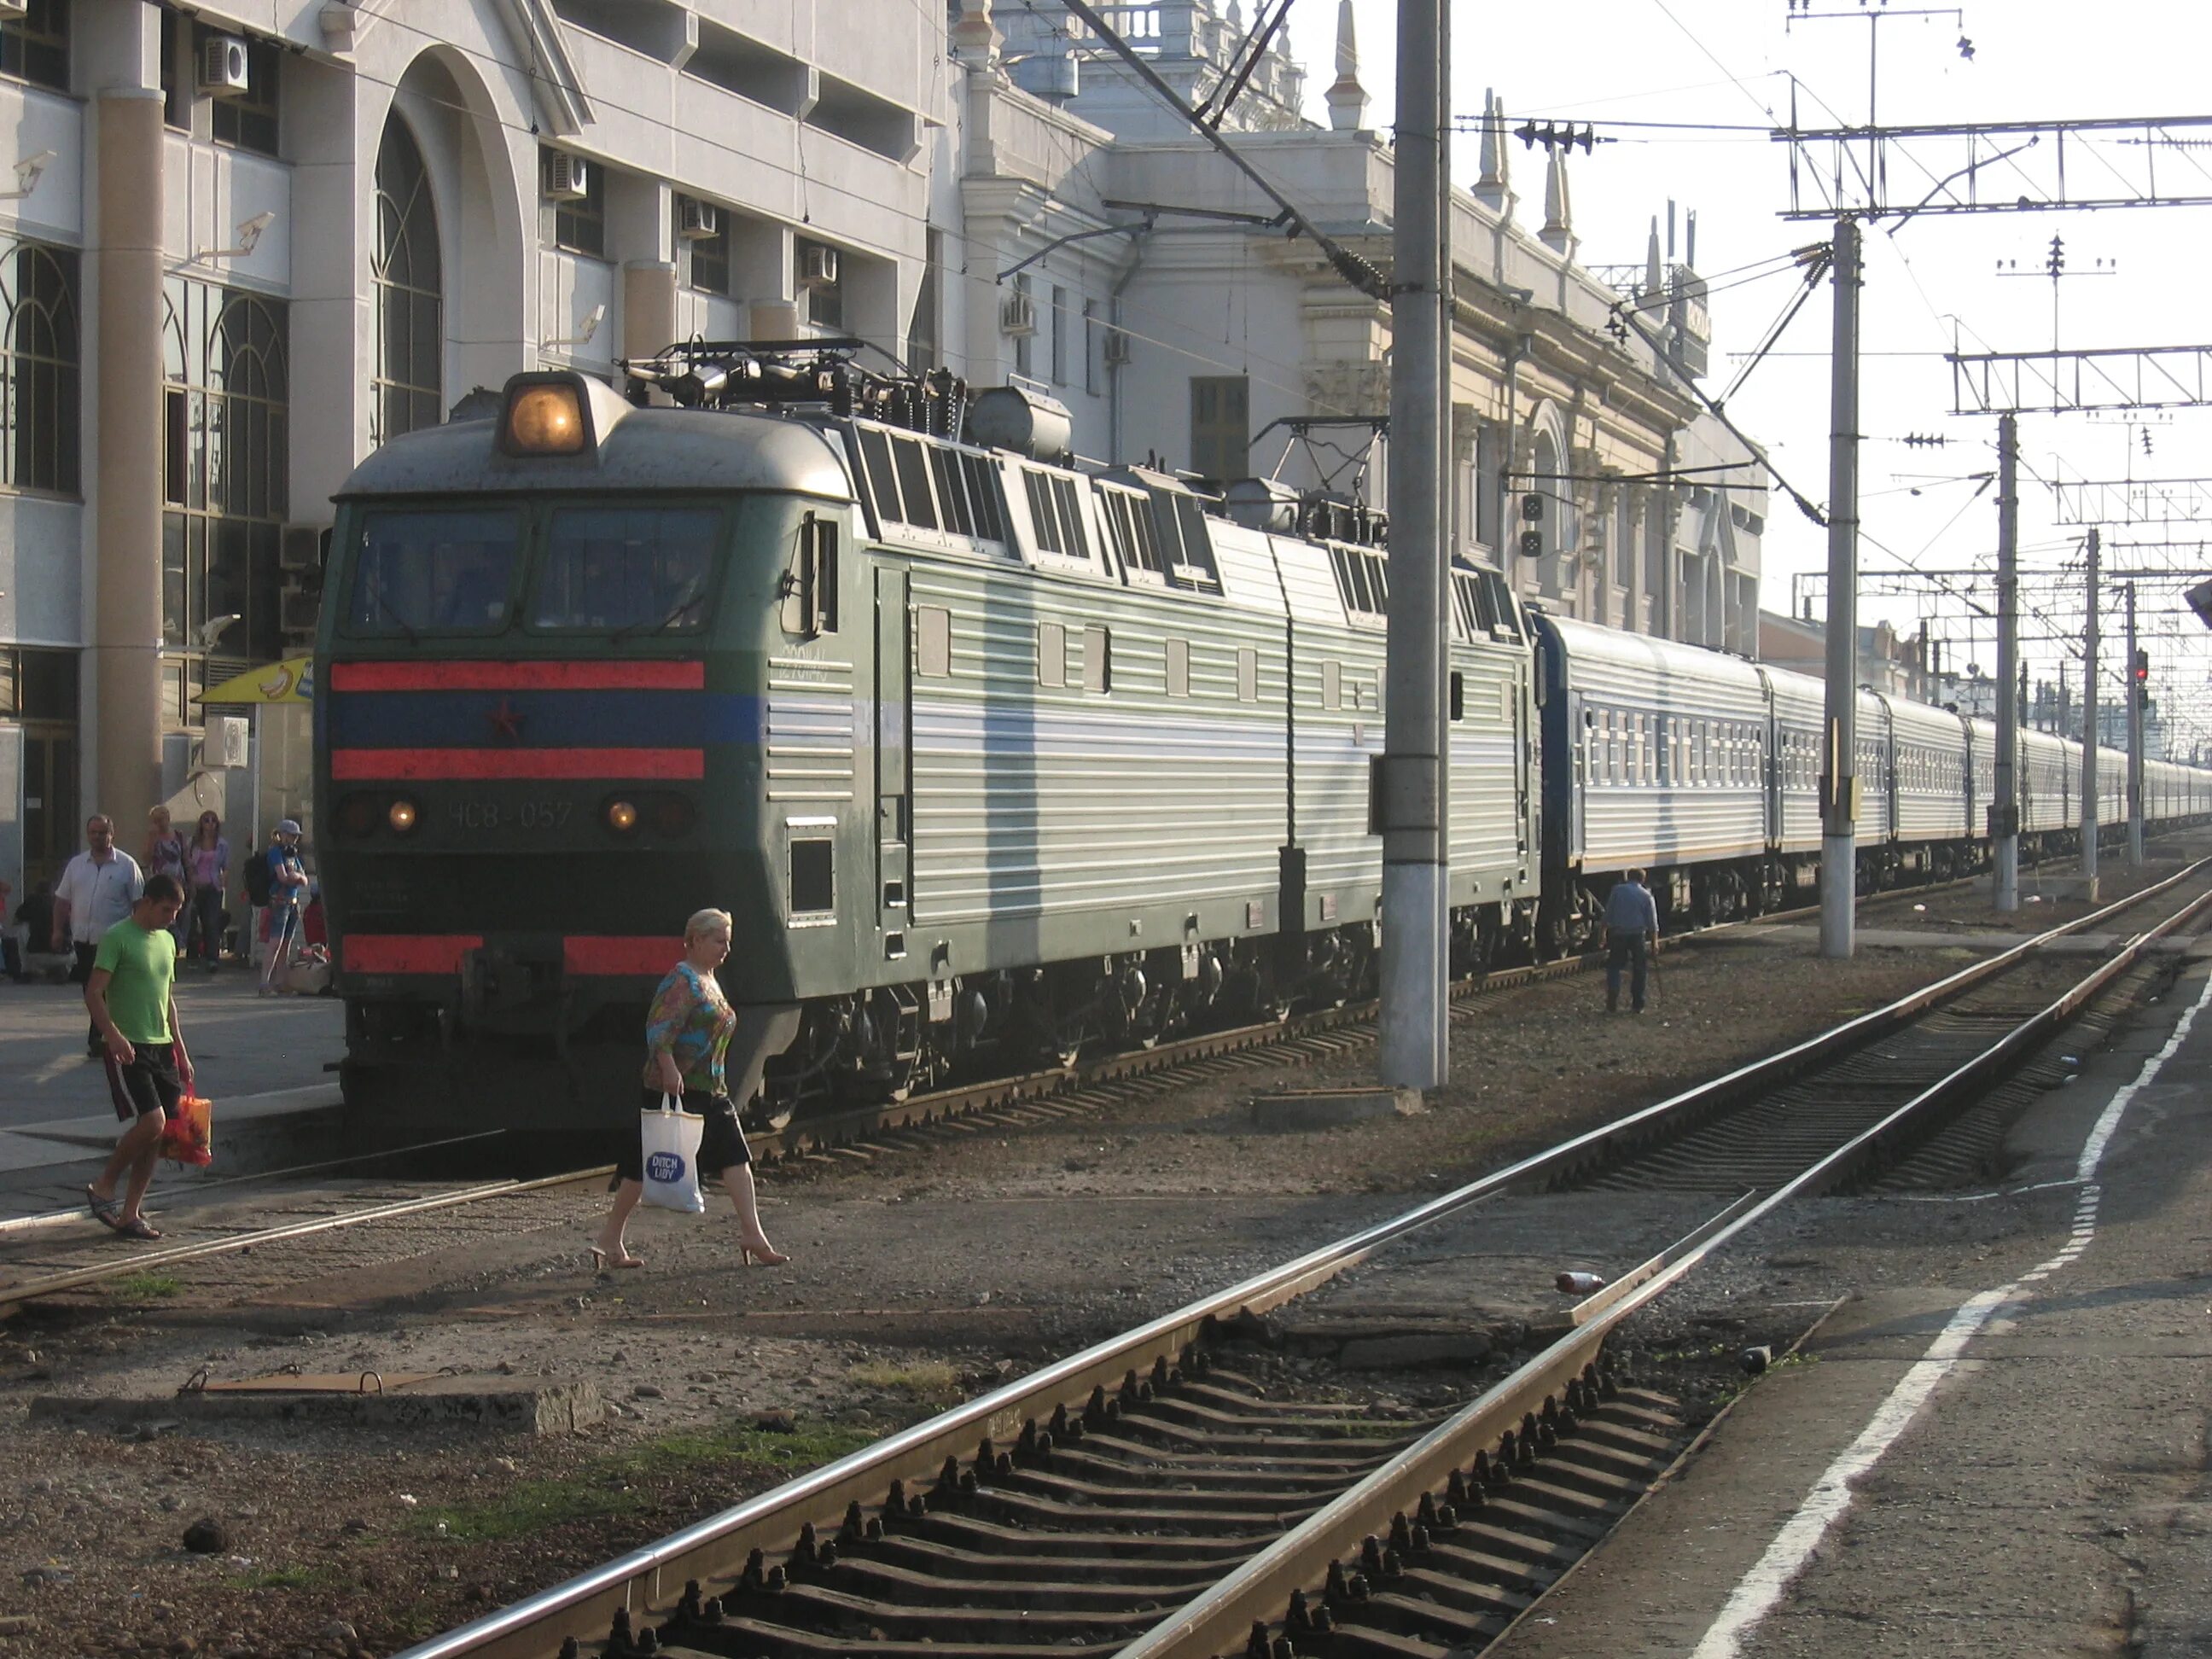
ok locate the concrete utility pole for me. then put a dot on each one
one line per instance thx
(1839, 837)
(2089, 727)
(2136, 690)
(2004, 804)
(1415, 866)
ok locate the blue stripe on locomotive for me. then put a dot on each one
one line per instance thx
(584, 720)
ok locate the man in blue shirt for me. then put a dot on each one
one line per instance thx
(1632, 929)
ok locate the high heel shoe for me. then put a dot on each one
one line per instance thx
(601, 1261)
(768, 1255)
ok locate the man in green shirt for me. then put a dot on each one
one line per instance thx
(134, 1008)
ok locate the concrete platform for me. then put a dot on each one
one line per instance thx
(1990, 1456)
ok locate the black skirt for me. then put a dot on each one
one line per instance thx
(722, 1147)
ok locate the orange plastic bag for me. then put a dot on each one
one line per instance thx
(189, 1137)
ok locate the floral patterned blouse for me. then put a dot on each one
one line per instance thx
(691, 1020)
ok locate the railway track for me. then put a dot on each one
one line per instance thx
(1148, 1498)
(861, 1135)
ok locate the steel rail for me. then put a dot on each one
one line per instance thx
(717, 1546)
(29, 1289)
(1220, 1620)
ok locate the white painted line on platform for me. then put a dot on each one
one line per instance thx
(1759, 1592)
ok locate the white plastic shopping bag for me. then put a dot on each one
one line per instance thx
(671, 1156)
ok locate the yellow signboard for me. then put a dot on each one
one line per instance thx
(291, 680)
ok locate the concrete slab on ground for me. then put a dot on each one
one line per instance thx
(2049, 1496)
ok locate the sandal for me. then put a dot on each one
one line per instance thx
(108, 1212)
(137, 1227)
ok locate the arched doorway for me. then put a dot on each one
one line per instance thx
(410, 327)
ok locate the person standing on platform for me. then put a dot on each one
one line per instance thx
(165, 856)
(97, 889)
(131, 995)
(287, 891)
(207, 861)
(1632, 931)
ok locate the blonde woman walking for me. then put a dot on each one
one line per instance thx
(687, 1032)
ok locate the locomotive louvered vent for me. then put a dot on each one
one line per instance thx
(799, 377)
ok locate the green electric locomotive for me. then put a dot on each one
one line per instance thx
(987, 754)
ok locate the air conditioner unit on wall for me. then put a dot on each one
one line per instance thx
(223, 68)
(1018, 314)
(818, 267)
(298, 611)
(1116, 349)
(568, 178)
(302, 547)
(695, 220)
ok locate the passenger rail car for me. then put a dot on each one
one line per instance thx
(990, 755)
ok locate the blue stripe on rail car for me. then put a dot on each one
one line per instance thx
(417, 720)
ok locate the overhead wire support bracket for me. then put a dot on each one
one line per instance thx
(2002, 175)
(2075, 382)
(1347, 264)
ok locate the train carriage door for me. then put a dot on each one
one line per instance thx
(894, 756)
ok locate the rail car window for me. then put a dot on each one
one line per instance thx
(983, 497)
(435, 572)
(1180, 522)
(1247, 674)
(644, 568)
(1055, 514)
(951, 493)
(914, 482)
(1129, 522)
(881, 475)
(1052, 654)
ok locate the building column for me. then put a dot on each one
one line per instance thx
(126, 630)
(649, 308)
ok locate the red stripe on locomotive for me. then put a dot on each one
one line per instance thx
(518, 677)
(612, 956)
(397, 765)
(406, 953)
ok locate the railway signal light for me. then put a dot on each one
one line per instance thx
(1532, 514)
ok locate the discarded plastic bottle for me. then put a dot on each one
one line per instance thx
(1581, 1283)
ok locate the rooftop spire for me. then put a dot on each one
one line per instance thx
(1346, 98)
(1494, 189)
(975, 37)
(1559, 232)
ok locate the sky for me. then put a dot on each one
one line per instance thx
(1727, 70)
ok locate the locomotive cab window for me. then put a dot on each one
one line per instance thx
(435, 572)
(631, 570)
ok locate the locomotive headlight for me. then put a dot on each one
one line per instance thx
(545, 419)
(356, 816)
(402, 817)
(622, 816)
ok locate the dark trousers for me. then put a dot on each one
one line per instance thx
(79, 975)
(207, 921)
(1622, 950)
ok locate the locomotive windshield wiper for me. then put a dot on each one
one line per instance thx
(687, 600)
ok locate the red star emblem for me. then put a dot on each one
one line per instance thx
(506, 721)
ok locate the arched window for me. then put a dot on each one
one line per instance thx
(410, 328)
(39, 388)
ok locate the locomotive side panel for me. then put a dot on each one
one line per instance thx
(1084, 758)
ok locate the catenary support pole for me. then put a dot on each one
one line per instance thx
(2089, 721)
(1838, 836)
(1411, 801)
(2137, 689)
(2004, 802)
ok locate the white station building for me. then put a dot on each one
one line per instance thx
(244, 241)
